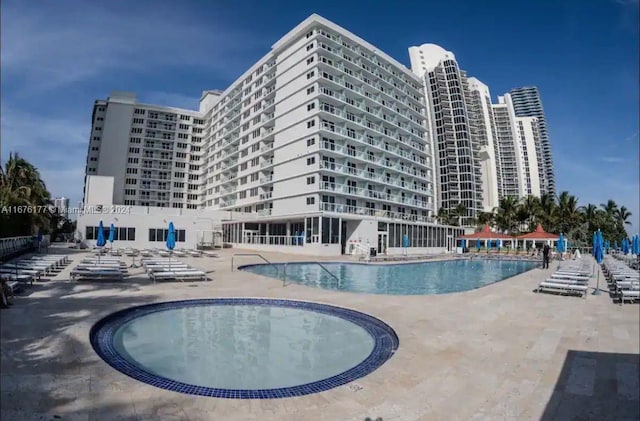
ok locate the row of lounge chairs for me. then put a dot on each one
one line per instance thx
(177, 253)
(14, 246)
(168, 268)
(99, 267)
(624, 281)
(571, 277)
(31, 269)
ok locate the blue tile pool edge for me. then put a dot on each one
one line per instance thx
(386, 343)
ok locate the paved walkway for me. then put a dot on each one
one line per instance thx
(501, 352)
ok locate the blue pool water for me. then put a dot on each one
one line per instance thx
(421, 278)
(243, 348)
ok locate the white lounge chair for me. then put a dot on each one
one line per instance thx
(569, 288)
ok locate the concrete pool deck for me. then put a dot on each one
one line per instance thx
(494, 353)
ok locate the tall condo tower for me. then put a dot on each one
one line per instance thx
(527, 103)
(450, 119)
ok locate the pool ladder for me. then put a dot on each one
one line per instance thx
(284, 278)
(253, 254)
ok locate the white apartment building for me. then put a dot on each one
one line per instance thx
(484, 132)
(517, 139)
(153, 153)
(528, 103)
(61, 205)
(459, 166)
(321, 147)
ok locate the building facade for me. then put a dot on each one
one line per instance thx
(528, 103)
(517, 138)
(61, 206)
(459, 167)
(321, 147)
(153, 153)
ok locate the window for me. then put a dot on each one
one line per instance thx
(159, 234)
(311, 200)
(310, 90)
(311, 123)
(311, 180)
(311, 160)
(310, 60)
(311, 74)
(311, 141)
(311, 106)
(310, 46)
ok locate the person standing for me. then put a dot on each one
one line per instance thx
(545, 256)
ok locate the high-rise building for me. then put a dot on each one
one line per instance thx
(459, 168)
(527, 103)
(322, 143)
(518, 158)
(154, 153)
(61, 205)
(483, 132)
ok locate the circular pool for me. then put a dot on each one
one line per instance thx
(243, 348)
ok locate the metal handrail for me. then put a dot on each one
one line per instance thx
(254, 254)
(284, 279)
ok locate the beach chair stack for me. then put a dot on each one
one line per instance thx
(571, 277)
(169, 268)
(624, 281)
(28, 270)
(100, 268)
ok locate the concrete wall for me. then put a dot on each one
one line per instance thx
(196, 223)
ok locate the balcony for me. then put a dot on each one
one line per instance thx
(378, 213)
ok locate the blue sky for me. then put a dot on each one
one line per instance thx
(58, 57)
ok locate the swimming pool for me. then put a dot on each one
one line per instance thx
(419, 278)
(243, 348)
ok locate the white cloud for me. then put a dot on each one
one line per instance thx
(51, 46)
(612, 159)
(170, 99)
(56, 55)
(56, 146)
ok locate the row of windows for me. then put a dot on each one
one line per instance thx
(120, 233)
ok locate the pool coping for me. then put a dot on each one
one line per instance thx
(386, 342)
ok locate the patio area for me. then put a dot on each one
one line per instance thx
(498, 352)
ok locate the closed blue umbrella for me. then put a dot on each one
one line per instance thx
(560, 244)
(171, 237)
(171, 241)
(593, 244)
(112, 234)
(463, 243)
(100, 241)
(599, 256)
(478, 244)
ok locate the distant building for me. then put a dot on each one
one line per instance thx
(61, 205)
(527, 103)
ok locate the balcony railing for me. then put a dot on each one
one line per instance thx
(378, 213)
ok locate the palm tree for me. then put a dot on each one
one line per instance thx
(622, 215)
(485, 218)
(528, 210)
(546, 212)
(610, 208)
(590, 216)
(567, 213)
(22, 188)
(505, 219)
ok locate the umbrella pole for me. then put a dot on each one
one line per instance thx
(597, 290)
